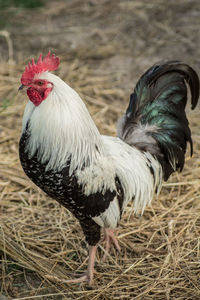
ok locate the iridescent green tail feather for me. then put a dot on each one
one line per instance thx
(155, 119)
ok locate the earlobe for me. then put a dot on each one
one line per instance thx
(46, 92)
(49, 85)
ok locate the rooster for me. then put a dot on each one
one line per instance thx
(96, 176)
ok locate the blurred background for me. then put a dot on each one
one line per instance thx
(104, 47)
(123, 37)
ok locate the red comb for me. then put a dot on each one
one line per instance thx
(49, 63)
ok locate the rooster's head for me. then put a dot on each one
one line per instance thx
(38, 88)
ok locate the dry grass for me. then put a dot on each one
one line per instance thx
(41, 243)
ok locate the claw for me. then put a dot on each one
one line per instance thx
(83, 277)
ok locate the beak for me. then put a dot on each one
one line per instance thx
(21, 87)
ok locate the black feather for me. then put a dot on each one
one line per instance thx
(157, 104)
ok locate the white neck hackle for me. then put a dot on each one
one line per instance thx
(61, 128)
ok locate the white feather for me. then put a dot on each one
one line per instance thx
(99, 176)
(110, 217)
(62, 128)
(133, 172)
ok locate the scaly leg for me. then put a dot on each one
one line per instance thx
(89, 274)
(110, 238)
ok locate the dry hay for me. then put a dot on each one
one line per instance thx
(41, 243)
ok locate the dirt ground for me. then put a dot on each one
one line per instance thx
(123, 37)
(104, 47)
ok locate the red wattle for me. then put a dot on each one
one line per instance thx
(34, 96)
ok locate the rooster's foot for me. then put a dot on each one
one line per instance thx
(85, 277)
(110, 238)
(89, 274)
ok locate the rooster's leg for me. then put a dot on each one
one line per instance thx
(110, 238)
(89, 274)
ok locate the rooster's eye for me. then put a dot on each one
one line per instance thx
(40, 83)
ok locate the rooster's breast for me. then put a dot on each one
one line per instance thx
(55, 183)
